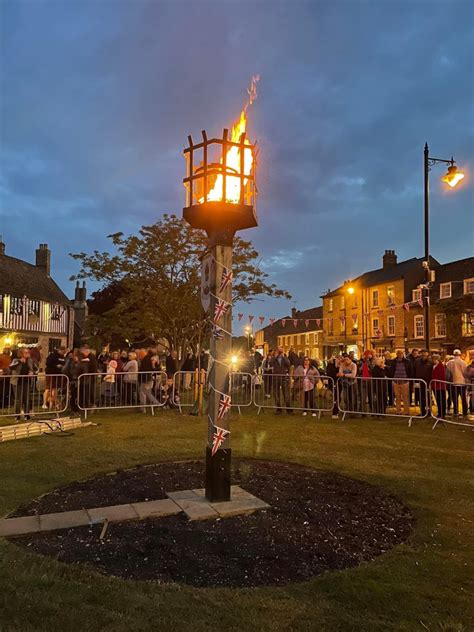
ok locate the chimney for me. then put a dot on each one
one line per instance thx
(80, 294)
(389, 259)
(43, 258)
(294, 311)
(2, 246)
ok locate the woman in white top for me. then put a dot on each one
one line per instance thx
(308, 376)
(130, 379)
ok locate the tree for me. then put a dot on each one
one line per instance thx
(151, 285)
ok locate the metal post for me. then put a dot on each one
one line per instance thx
(218, 467)
(427, 247)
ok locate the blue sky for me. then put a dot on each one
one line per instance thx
(98, 97)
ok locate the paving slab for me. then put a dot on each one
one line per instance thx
(156, 508)
(19, 526)
(186, 494)
(64, 520)
(237, 507)
(198, 509)
(114, 513)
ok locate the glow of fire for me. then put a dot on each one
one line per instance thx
(233, 157)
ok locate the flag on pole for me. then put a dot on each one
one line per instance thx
(220, 309)
(218, 333)
(218, 438)
(226, 279)
(224, 406)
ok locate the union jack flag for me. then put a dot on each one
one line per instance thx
(240, 316)
(220, 309)
(250, 319)
(218, 438)
(226, 279)
(224, 406)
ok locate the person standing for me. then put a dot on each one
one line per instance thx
(365, 383)
(470, 381)
(438, 385)
(401, 371)
(280, 369)
(171, 364)
(22, 370)
(87, 367)
(332, 369)
(130, 379)
(412, 358)
(456, 370)
(309, 376)
(379, 387)
(54, 366)
(388, 363)
(346, 376)
(423, 371)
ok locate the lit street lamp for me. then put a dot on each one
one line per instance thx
(351, 290)
(452, 178)
(248, 333)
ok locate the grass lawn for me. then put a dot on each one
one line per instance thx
(426, 584)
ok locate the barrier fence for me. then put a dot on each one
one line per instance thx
(313, 394)
(450, 396)
(383, 397)
(31, 395)
(26, 396)
(138, 389)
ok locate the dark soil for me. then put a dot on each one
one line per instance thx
(318, 521)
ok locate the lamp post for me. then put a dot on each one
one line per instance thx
(248, 332)
(351, 291)
(452, 177)
(220, 199)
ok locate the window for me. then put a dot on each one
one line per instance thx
(468, 286)
(419, 326)
(343, 301)
(416, 295)
(445, 290)
(390, 295)
(330, 327)
(54, 343)
(354, 300)
(391, 325)
(355, 321)
(330, 305)
(314, 353)
(468, 324)
(307, 339)
(306, 352)
(375, 298)
(375, 327)
(315, 339)
(302, 339)
(440, 325)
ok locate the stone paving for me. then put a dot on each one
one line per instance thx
(192, 502)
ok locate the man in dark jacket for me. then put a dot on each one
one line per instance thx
(412, 358)
(54, 380)
(423, 371)
(401, 370)
(280, 375)
(87, 384)
(171, 364)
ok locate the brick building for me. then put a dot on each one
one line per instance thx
(304, 336)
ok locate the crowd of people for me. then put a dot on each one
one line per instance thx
(143, 377)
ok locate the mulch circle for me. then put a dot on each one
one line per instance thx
(318, 521)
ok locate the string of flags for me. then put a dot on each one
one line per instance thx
(318, 321)
(218, 438)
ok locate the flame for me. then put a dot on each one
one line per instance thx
(233, 157)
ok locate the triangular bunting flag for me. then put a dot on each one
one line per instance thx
(295, 322)
(283, 322)
(306, 323)
(420, 302)
(272, 320)
(261, 319)
(240, 316)
(251, 319)
(318, 322)
(406, 306)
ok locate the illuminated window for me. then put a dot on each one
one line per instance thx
(391, 325)
(330, 305)
(416, 295)
(330, 327)
(468, 286)
(445, 290)
(440, 325)
(468, 324)
(419, 326)
(390, 295)
(343, 301)
(375, 298)
(375, 326)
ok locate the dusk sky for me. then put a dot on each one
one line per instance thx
(98, 97)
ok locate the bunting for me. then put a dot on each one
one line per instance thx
(220, 309)
(226, 279)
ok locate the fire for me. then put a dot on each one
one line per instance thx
(233, 157)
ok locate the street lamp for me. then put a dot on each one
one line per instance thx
(248, 331)
(452, 178)
(220, 199)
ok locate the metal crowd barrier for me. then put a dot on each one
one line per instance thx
(383, 397)
(312, 395)
(23, 396)
(458, 397)
(241, 389)
(138, 389)
(187, 388)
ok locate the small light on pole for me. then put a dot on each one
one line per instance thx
(453, 176)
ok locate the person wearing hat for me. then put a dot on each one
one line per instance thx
(456, 371)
